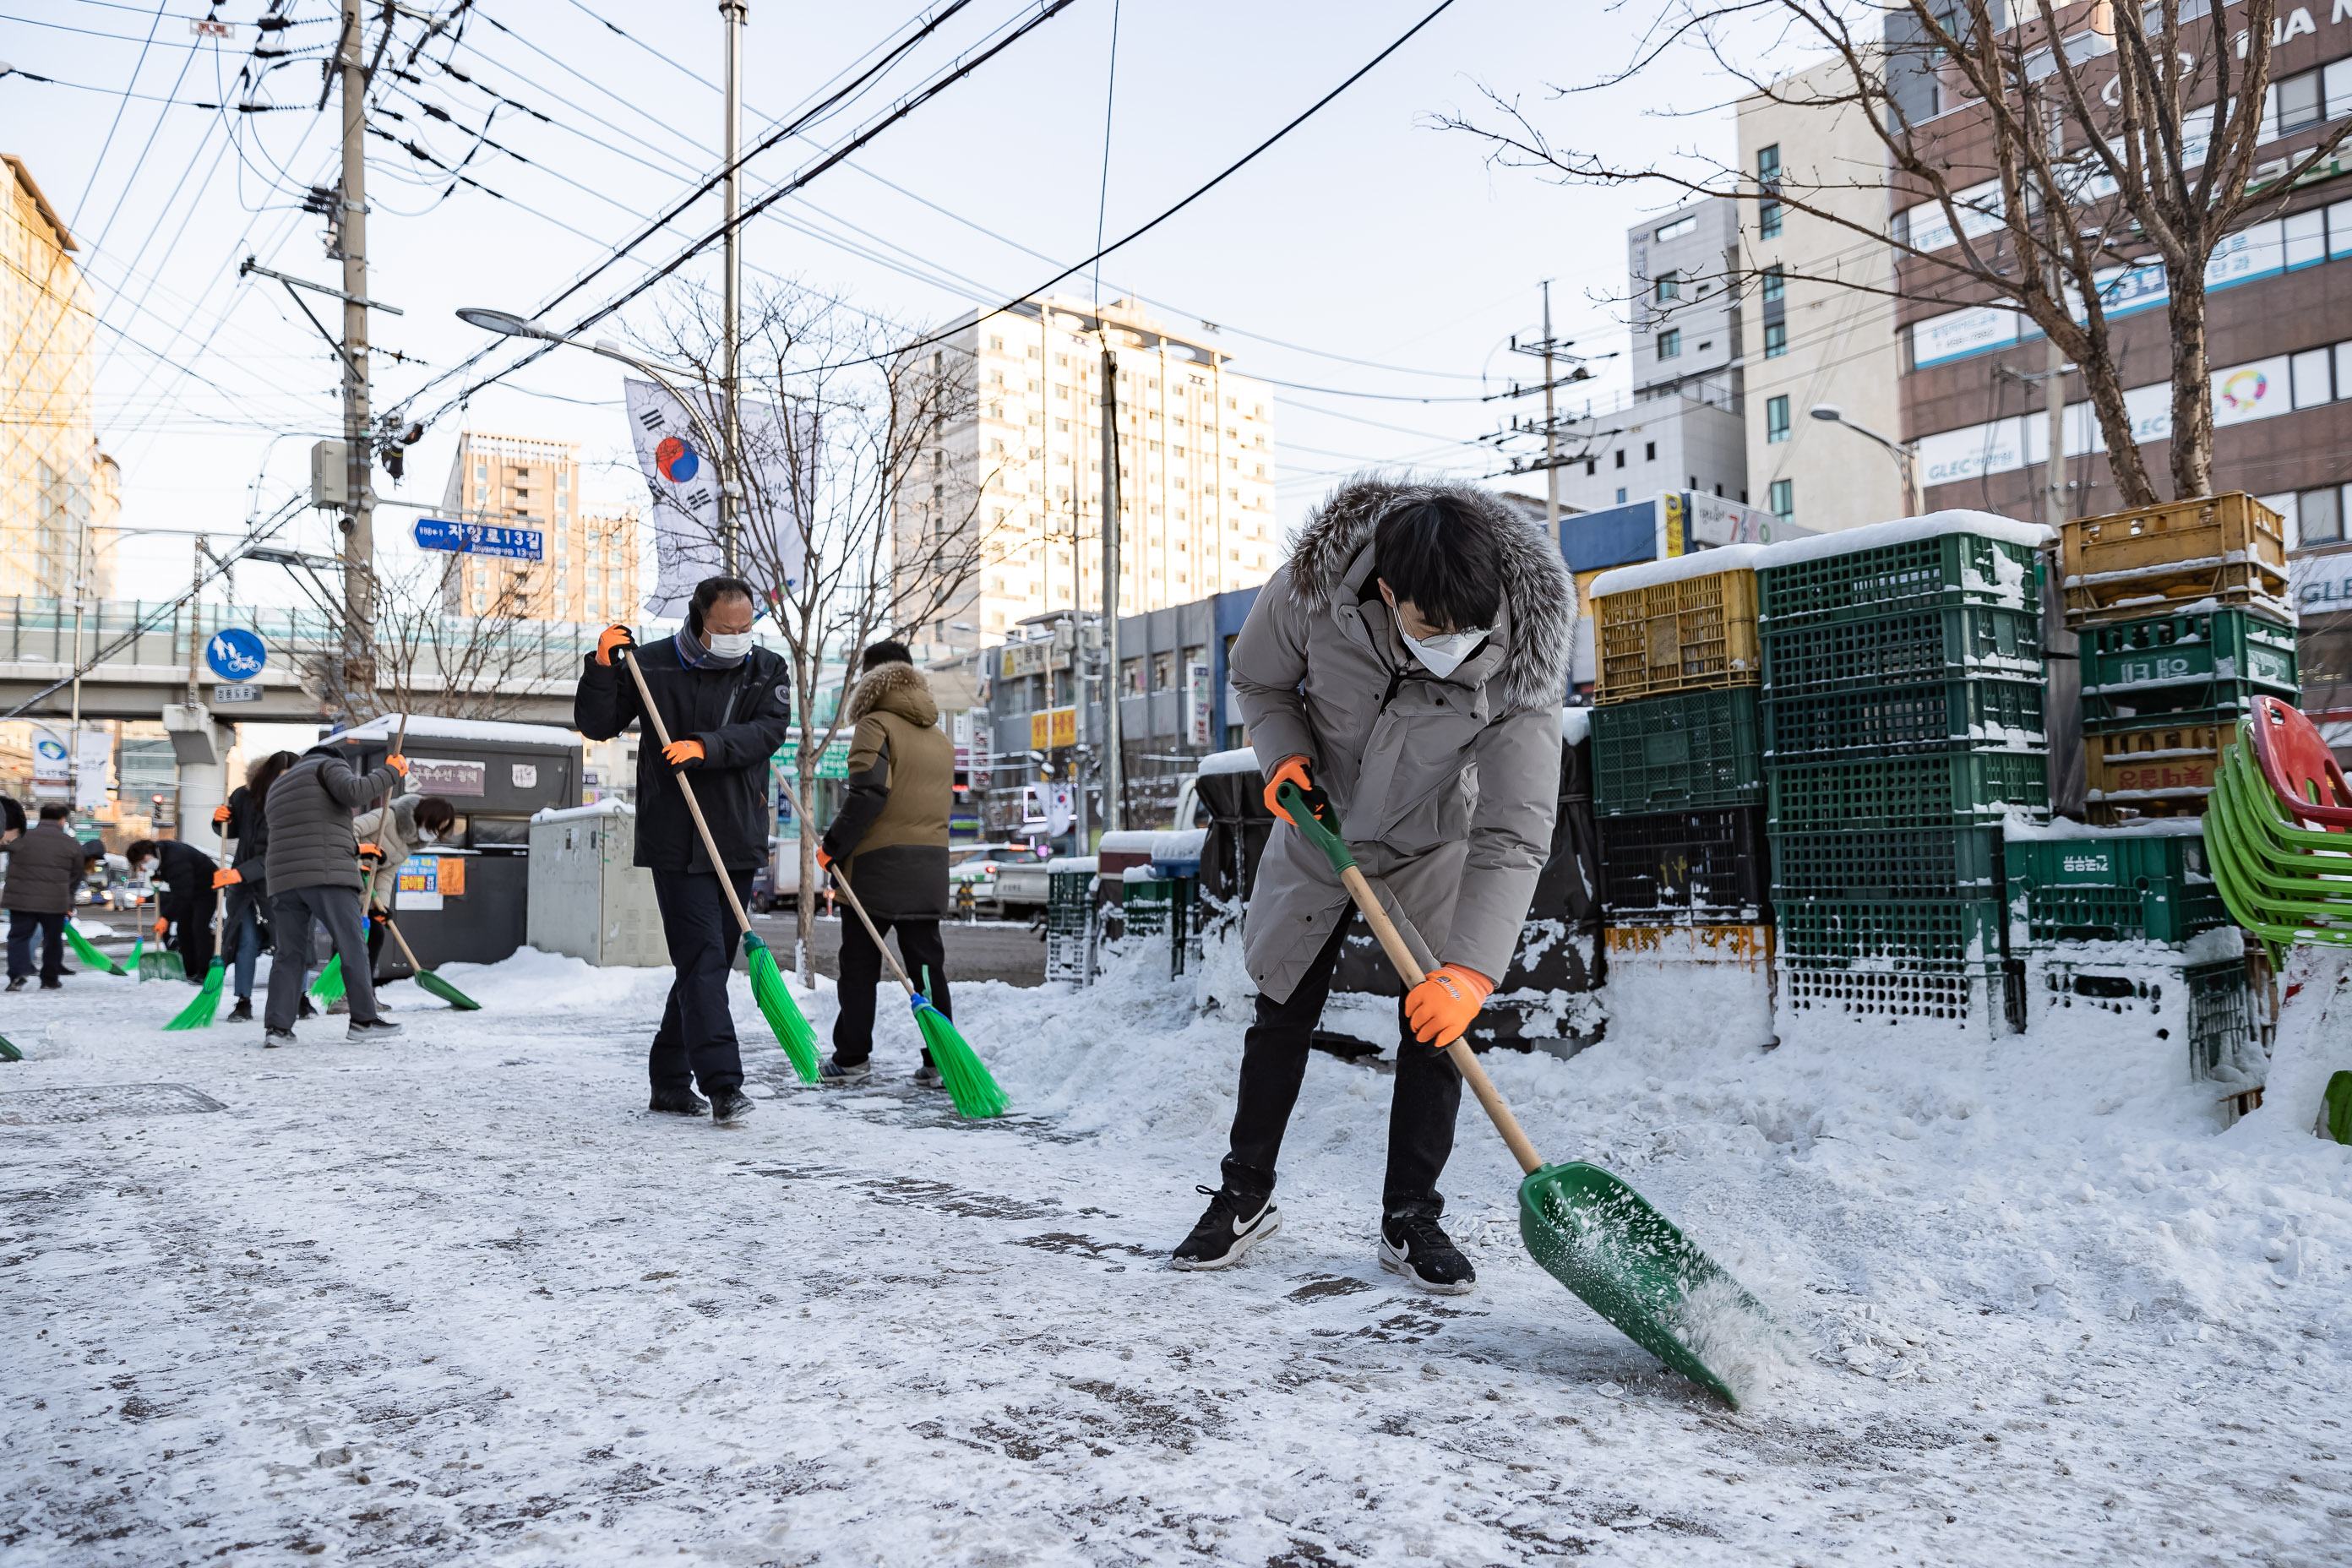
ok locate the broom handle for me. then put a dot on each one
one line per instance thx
(406, 951)
(843, 883)
(686, 785)
(1393, 944)
(220, 896)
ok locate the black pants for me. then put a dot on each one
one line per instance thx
(1274, 1062)
(696, 1043)
(922, 951)
(375, 943)
(26, 925)
(193, 940)
(291, 914)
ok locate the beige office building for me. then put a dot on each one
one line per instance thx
(1811, 335)
(58, 493)
(1023, 471)
(590, 569)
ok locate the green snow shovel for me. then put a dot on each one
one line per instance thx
(9, 1053)
(329, 986)
(965, 1076)
(198, 1014)
(792, 1032)
(428, 982)
(1582, 1226)
(90, 954)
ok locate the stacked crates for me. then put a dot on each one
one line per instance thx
(1677, 761)
(1903, 723)
(2183, 622)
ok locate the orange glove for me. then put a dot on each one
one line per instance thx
(1293, 770)
(823, 860)
(398, 763)
(220, 815)
(162, 925)
(1443, 1006)
(227, 877)
(681, 752)
(614, 636)
(371, 852)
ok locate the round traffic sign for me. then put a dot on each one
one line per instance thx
(236, 654)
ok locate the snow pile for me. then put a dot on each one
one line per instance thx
(1905, 531)
(428, 728)
(1675, 569)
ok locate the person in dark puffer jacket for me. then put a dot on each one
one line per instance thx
(44, 863)
(191, 877)
(313, 871)
(245, 923)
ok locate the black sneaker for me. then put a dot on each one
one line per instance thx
(18, 981)
(308, 1009)
(833, 1071)
(1412, 1245)
(53, 984)
(730, 1105)
(243, 1012)
(1233, 1224)
(681, 1103)
(928, 1077)
(273, 1038)
(374, 1029)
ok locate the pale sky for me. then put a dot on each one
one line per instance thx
(1368, 234)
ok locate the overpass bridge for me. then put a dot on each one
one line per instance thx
(147, 651)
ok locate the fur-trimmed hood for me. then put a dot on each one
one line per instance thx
(1538, 594)
(898, 688)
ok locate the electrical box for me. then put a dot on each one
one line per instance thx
(331, 474)
(587, 900)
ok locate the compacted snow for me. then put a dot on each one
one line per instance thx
(457, 1299)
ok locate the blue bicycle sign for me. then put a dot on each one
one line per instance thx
(236, 654)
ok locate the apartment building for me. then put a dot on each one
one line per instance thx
(58, 492)
(1819, 327)
(1020, 472)
(589, 569)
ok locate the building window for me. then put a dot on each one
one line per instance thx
(1669, 286)
(1590, 468)
(1621, 495)
(1670, 343)
(1768, 220)
(1621, 456)
(1776, 420)
(1649, 452)
(1130, 676)
(1775, 338)
(1767, 164)
(2319, 516)
(1676, 230)
(1776, 283)
(1784, 498)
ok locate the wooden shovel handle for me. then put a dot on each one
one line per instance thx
(685, 784)
(842, 883)
(1368, 904)
(406, 951)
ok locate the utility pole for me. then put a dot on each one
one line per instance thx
(1548, 350)
(359, 507)
(1113, 770)
(1551, 428)
(730, 480)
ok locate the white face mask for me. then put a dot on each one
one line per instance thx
(144, 868)
(426, 836)
(728, 645)
(1443, 656)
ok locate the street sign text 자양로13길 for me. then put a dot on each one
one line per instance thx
(479, 539)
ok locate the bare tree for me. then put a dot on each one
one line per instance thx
(2063, 150)
(432, 657)
(858, 519)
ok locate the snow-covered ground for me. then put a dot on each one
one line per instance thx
(459, 1298)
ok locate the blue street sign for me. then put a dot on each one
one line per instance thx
(236, 654)
(479, 539)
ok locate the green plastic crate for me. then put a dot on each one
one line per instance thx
(1943, 935)
(2111, 886)
(1916, 575)
(1694, 751)
(1903, 863)
(1982, 1001)
(1951, 642)
(2207, 1002)
(1897, 720)
(2145, 708)
(1957, 789)
(2174, 650)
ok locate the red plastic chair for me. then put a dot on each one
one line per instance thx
(2299, 767)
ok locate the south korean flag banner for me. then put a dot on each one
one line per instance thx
(684, 479)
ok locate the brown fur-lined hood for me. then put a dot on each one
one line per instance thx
(1538, 594)
(898, 688)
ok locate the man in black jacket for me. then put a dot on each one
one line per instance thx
(726, 705)
(189, 904)
(312, 869)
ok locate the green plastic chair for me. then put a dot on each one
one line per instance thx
(2284, 882)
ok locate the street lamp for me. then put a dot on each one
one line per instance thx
(507, 324)
(1907, 454)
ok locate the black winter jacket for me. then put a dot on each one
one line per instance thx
(311, 844)
(45, 866)
(188, 870)
(739, 715)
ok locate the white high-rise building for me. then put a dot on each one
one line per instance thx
(1023, 469)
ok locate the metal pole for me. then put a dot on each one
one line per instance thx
(1112, 769)
(730, 479)
(1551, 429)
(358, 512)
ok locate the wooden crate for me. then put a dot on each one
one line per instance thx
(2130, 565)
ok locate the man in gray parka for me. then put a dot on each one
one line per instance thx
(313, 874)
(1406, 670)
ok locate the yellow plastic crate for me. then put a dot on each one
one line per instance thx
(1748, 946)
(2231, 548)
(1691, 633)
(2163, 771)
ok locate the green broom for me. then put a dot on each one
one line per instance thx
(428, 982)
(198, 1014)
(9, 1053)
(793, 1031)
(89, 955)
(962, 1072)
(329, 986)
